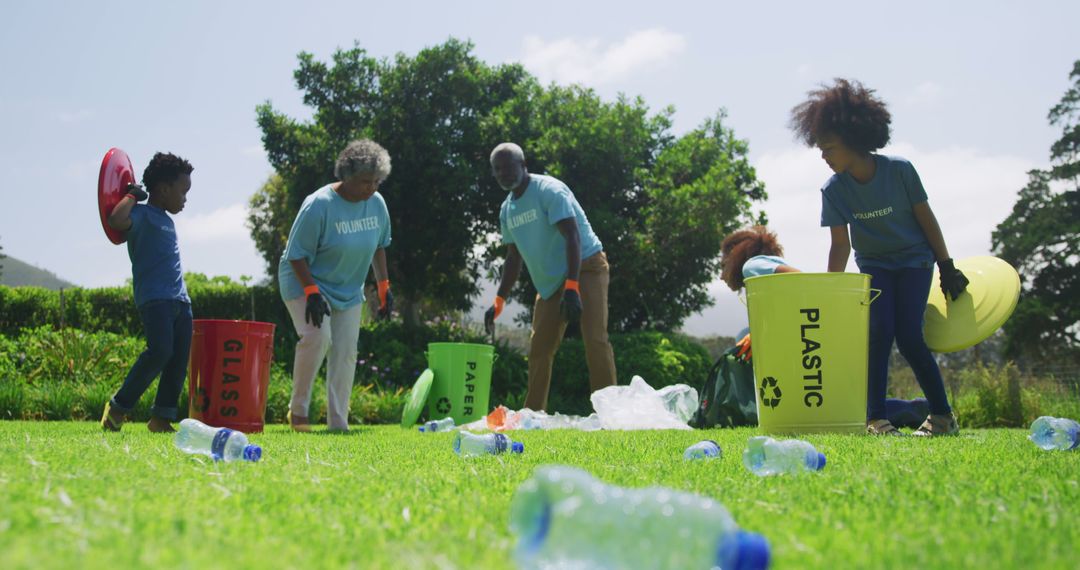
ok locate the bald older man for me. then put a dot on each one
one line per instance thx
(544, 226)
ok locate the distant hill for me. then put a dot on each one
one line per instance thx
(17, 273)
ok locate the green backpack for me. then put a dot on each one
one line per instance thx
(727, 398)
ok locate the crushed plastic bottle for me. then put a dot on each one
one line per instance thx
(469, 444)
(1055, 433)
(767, 456)
(225, 444)
(445, 424)
(707, 449)
(565, 518)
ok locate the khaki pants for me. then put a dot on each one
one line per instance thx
(548, 328)
(337, 336)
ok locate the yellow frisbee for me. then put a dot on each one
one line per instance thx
(983, 308)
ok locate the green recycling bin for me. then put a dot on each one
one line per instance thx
(462, 380)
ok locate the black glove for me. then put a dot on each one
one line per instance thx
(571, 306)
(137, 191)
(953, 282)
(493, 313)
(385, 310)
(316, 310)
(489, 320)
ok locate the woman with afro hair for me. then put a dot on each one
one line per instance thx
(756, 251)
(881, 202)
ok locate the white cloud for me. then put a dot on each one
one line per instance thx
(218, 243)
(222, 224)
(925, 93)
(255, 151)
(572, 60)
(970, 193)
(804, 70)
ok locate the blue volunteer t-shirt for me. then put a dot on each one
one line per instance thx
(338, 238)
(155, 256)
(884, 231)
(529, 223)
(762, 265)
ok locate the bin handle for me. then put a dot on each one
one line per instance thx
(874, 294)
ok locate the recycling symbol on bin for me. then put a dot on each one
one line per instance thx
(769, 392)
(202, 400)
(443, 405)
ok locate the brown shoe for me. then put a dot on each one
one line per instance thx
(937, 425)
(298, 423)
(111, 419)
(882, 427)
(159, 425)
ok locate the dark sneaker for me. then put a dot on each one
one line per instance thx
(937, 425)
(882, 427)
(111, 420)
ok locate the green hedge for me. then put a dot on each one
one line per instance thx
(50, 374)
(112, 309)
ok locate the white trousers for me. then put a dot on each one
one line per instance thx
(338, 336)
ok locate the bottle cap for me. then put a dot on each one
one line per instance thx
(252, 453)
(820, 461)
(743, 550)
(517, 447)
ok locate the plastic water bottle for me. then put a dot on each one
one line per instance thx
(768, 456)
(1055, 433)
(219, 443)
(469, 444)
(445, 424)
(707, 449)
(565, 518)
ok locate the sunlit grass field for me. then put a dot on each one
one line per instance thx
(383, 497)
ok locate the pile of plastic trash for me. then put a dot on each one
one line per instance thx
(634, 407)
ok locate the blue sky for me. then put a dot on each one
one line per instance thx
(969, 84)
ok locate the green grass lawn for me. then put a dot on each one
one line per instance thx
(383, 497)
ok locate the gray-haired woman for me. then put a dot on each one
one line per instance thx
(341, 230)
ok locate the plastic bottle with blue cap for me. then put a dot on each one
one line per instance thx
(469, 444)
(767, 456)
(1051, 433)
(707, 449)
(220, 444)
(563, 517)
(445, 424)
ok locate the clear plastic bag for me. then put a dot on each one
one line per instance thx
(639, 406)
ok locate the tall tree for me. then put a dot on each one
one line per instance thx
(1041, 238)
(425, 110)
(660, 204)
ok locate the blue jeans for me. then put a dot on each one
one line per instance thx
(168, 328)
(897, 314)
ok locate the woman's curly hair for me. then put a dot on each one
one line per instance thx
(363, 156)
(165, 167)
(742, 245)
(846, 109)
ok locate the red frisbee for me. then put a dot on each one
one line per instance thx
(116, 173)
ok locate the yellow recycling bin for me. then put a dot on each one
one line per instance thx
(810, 335)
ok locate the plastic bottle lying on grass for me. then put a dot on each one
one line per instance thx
(469, 444)
(565, 518)
(445, 424)
(225, 444)
(1055, 433)
(767, 456)
(707, 449)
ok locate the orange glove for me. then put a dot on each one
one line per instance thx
(744, 353)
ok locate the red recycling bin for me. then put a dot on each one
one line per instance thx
(230, 373)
